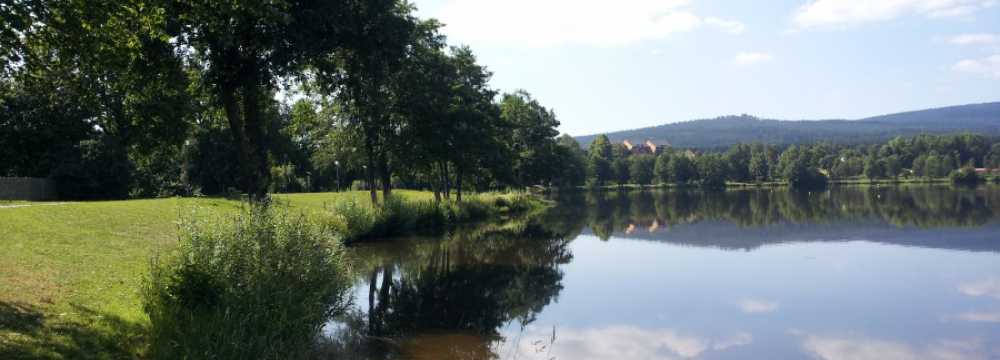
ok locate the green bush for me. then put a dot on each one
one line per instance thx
(353, 220)
(965, 176)
(258, 286)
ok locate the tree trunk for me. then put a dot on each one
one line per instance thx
(372, 320)
(458, 184)
(370, 168)
(386, 176)
(446, 180)
(227, 94)
(435, 188)
(254, 131)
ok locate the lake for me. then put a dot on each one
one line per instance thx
(845, 273)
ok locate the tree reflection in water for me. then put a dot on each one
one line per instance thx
(457, 297)
(449, 298)
(607, 213)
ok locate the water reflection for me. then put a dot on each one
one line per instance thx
(449, 298)
(747, 219)
(628, 342)
(859, 348)
(654, 275)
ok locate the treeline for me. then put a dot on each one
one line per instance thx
(117, 99)
(923, 156)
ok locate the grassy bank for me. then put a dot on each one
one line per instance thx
(71, 272)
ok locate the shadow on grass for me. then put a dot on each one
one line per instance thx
(26, 332)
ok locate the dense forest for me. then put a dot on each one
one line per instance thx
(923, 156)
(726, 131)
(117, 99)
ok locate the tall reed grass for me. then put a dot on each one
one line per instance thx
(355, 220)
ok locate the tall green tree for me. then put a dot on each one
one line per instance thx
(682, 169)
(375, 36)
(113, 61)
(532, 139)
(641, 169)
(249, 46)
(758, 168)
(661, 169)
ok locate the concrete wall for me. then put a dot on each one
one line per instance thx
(17, 188)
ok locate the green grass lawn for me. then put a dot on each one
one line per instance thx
(70, 272)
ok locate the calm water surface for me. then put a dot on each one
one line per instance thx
(847, 273)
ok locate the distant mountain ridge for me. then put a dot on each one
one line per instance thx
(728, 130)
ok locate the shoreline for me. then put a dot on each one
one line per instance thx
(764, 185)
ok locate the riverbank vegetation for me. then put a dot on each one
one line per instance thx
(925, 158)
(73, 271)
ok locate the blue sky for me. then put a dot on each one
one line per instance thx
(613, 65)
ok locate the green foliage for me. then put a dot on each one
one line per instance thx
(599, 170)
(993, 158)
(260, 285)
(601, 147)
(737, 161)
(661, 169)
(620, 170)
(965, 176)
(533, 138)
(641, 169)
(797, 170)
(682, 169)
(873, 168)
(284, 179)
(711, 170)
(99, 170)
(572, 165)
(758, 168)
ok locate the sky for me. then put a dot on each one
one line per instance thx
(613, 65)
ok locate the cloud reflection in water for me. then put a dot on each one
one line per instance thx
(621, 342)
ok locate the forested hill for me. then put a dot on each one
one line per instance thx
(729, 130)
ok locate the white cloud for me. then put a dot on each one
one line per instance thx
(989, 67)
(988, 317)
(557, 22)
(756, 306)
(856, 348)
(975, 39)
(989, 287)
(750, 58)
(729, 26)
(821, 13)
(621, 342)
(743, 338)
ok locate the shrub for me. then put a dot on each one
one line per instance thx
(353, 220)
(260, 286)
(965, 176)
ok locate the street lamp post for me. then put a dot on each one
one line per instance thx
(336, 163)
